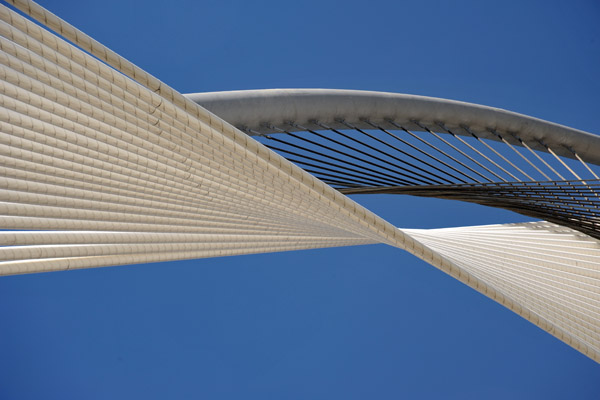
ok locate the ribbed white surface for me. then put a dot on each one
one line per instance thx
(97, 169)
(550, 271)
(119, 174)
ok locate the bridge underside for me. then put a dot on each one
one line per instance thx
(103, 164)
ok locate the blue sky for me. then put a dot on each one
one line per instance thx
(351, 323)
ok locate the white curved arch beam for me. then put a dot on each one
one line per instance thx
(259, 109)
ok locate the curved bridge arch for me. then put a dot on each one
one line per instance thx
(333, 134)
(259, 110)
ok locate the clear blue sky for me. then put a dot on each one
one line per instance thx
(350, 323)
